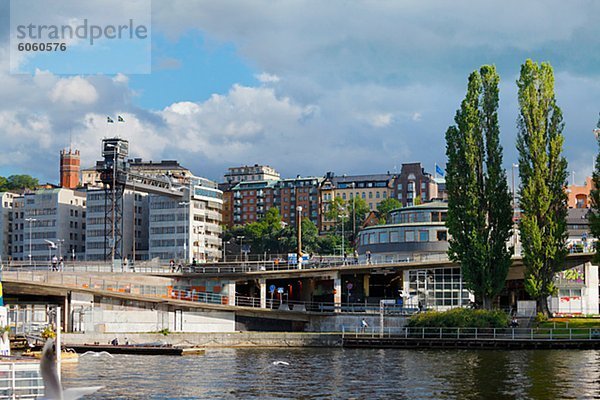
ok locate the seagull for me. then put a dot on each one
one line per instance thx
(97, 354)
(52, 388)
(280, 363)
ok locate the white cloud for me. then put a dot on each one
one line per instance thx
(74, 90)
(267, 78)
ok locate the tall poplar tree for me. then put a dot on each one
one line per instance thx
(543, 172)
(594, 214)
(479, 203)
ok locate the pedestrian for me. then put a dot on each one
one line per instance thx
(355, 257)
(179, 267)
(54, 263)
(363, 325)
(368, 254)
(61, 264)
(345, 259)
(172, 265)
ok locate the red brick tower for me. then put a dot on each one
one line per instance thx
(69, 168)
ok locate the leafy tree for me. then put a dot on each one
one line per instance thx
(359, 209)
(594, 214)
(479, 209)
(385, 207)
(543, 172)
(19, 182)
(3, 184)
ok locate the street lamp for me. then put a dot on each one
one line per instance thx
(353, 184)
(514, 208)
(299, 233)
(30, 220)
(241, 239)
(51, 245)
(59, 243)
(185, 204)
(342, 217)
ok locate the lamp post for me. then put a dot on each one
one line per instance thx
(241, 239)
(185, 229)
(31, 221)
(299, 234)
(59, 243)
(342, 217)
(353, 211)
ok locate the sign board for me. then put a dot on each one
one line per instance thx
(349, 286)
(280, 290)
(292, 258)
(272, 288)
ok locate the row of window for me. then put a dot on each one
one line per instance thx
(400, 235)
(406, 217)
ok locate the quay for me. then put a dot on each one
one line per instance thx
(475, 338)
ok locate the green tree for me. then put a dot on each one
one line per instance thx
(594, 214)
(543, 172)
(20, 182)
(3, 184)
(479, 203)
(385, 207)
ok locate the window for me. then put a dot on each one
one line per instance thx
(409, 236)
(423, 236)
(377, 195)
(383, 237)
(393, 236)
(442, 236)
(370, 195)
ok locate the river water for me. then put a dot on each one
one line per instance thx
(315, 373)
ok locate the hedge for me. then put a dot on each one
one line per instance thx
(460, 318)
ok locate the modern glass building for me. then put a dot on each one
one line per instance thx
(411, 233)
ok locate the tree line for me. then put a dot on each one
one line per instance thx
(17, 183)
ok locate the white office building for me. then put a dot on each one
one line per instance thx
(48, 222)
(6, 224)
(187, 227)
(134, 225)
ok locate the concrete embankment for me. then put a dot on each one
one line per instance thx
(235, 339)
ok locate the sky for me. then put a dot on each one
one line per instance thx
(353, 87)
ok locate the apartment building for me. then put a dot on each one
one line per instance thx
(414, 186)
(251, 173)
(373, 189)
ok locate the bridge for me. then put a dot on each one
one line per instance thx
(231, 296)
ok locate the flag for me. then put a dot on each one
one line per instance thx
(120, 119)
(109, 120)
(439, 170)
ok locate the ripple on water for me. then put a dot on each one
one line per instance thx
(315, 373)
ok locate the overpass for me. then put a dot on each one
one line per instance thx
(160, 299)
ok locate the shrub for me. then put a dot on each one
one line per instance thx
(460, 318)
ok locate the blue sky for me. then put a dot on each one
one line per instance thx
(306, 86)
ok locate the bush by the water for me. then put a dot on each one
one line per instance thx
(460, 318)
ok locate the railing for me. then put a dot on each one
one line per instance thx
(20, 380)
(475, 333)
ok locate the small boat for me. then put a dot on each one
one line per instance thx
(67, 356)
(141, 349)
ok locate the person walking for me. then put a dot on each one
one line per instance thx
(363, 325)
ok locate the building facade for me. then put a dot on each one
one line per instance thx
(373, 189)
(6, 224)
(70, 164)
(134, 229)
(187, 228)
(414, 186)
(415, 232)
(49, 222)
(251, 173)
(579, 196)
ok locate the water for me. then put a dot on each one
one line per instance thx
(344, 374)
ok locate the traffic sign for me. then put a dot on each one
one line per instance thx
(272, 288)
(349, 286)
(280, 290)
